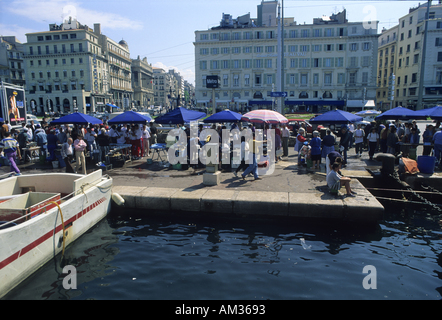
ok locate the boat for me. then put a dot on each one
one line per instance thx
(41, 214)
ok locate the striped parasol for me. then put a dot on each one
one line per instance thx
(264, 116)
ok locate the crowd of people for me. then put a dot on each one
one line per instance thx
(84, 143)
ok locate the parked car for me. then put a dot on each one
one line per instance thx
(310, 128)
(31, 117)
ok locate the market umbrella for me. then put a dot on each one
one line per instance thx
(130, 117)
(398, 113)
(264, 116)
(434, 113)
(77, 118)
(335, 117)
(112, 105)
(367, 113)
(223, 116)
(180, 115)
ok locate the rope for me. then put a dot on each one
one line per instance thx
(62, 223)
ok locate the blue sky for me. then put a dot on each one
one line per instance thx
(163, 30)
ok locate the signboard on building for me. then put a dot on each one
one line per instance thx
(12, 104)
(212, 82)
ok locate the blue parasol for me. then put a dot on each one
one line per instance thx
(398, 113)
(434, 113)
(335, 117)
(77, 118)
(180, 115)
(223, 116)
(130, 117)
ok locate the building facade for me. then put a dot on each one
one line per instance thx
(406, 61)
(142, 83)
(329, 63)
(66, 69)
(162, 87)
(386, 79)
(12, 69)
(120, 75)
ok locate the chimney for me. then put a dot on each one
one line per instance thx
(97, 29)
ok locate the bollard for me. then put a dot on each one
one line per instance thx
(388, 161)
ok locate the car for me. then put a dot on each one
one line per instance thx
(31, 117)
(309, 128)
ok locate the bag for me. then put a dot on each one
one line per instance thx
(279, 152)
(410, 165)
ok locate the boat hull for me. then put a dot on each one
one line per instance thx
(28, 246)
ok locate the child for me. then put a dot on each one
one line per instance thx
(335, 181)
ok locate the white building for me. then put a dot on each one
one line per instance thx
(11, 61)
(329, 63)
(406, 60)
(65, 68)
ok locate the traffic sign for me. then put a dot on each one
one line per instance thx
(277, 94)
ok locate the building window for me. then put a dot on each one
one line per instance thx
(246, 80)
(352, 80)
(327, 79)
(304, 79)
(225, 80)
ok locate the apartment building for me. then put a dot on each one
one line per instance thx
(119, 64)
(406, 62)
(162, 87)
(142, 82)
(11, 61)
(327, 64)
(66, 69)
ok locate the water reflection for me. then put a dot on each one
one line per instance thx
(186, 258)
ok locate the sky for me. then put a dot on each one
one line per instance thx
(163, 31)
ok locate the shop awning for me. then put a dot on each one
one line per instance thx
(315, 102)
(260, 102)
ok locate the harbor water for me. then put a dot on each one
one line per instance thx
(134, 257)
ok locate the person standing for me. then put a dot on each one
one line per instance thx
(146, 138)
(103, 141)
(392, 140)
(67, 153)
(153, 134)
(244, 149)
(11, 149)
(359, 135)
(80, 146)
(344, 143)
(428, 138)
(285, 141)
(328, 144)
(437, 140)
(300, 139)
(373, 140)
(253, 166)
(315, 144)
(23, 140)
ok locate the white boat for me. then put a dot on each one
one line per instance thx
(37, 208)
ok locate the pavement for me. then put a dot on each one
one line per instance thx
(287, 175)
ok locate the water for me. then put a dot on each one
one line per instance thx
(177, 258)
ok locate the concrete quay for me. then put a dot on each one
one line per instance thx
(289, 192)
